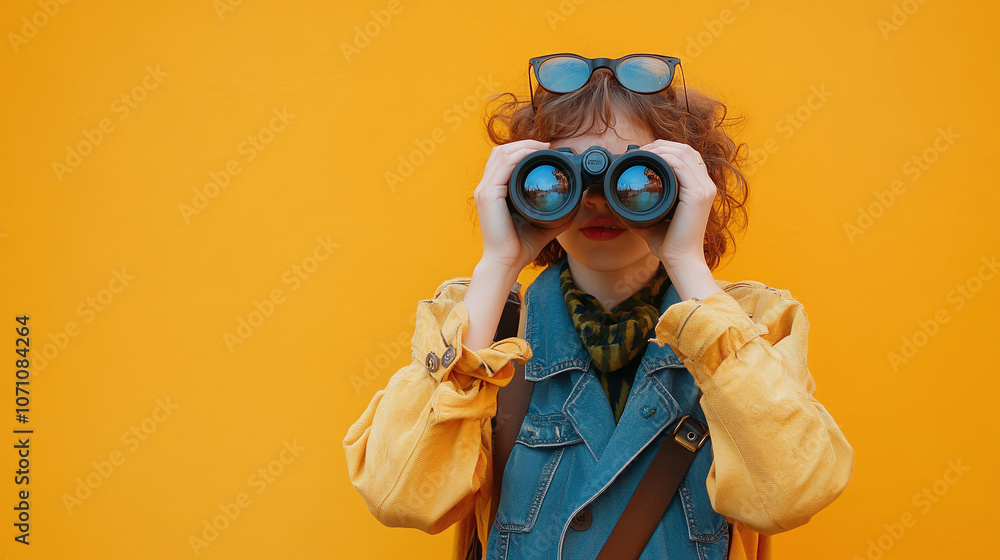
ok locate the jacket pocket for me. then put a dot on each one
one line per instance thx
(705, 525)
(530, 469)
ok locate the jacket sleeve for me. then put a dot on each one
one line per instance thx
(420, 454)
(779, 457)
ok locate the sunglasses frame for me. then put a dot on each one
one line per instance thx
(610, 64)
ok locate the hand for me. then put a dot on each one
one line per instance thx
(508, 241)
(682, 238)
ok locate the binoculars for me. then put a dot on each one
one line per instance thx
(547, 186)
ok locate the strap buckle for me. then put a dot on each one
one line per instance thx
(690, 433)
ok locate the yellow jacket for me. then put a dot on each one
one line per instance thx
(420, 454)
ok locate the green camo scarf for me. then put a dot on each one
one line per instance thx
(617, 339)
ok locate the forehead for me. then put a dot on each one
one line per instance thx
(626, 131)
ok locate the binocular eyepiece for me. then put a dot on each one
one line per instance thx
(547, 186)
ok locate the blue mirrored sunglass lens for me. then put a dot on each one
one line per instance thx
(639, 188)
(644, 74)
(563, 74)
(546, 188)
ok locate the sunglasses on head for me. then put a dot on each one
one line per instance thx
(641, 73)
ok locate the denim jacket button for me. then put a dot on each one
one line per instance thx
(582, 520)
(431, 361)
(448, 357)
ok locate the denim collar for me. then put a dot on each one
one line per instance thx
(555, 344)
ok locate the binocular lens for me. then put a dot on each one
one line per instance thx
(546, 188)
(639, 188)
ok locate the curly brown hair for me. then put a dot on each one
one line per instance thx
(704, 128)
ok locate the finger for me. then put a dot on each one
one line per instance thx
(556, 231)
(652, 233)
(501, 150)
(692, 178)
(661, 143)
(544, 235)
(643, 233)
(498, 176)
(504, 166)
(664, 144)
(531, 143)
(683, 151)
(511, 154)
(680, 165)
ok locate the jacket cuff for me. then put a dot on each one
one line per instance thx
(704, 333)
(492, 364)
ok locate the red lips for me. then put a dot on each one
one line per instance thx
(603, 223)
(602, 229)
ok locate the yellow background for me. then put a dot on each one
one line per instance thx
(298, 378)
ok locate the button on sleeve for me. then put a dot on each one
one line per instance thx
(420, 454)
(491, 364)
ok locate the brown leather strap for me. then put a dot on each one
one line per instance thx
(658, 485)
(512, 400)
(512, 406)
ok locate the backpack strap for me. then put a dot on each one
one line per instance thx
(512, 406)
(512, 399)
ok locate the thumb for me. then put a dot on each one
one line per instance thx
(644, 233)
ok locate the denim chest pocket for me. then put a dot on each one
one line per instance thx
(531, 468)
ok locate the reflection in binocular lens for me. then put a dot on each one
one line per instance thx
(639, 188)
(546, 188)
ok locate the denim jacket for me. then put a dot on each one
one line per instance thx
(571, 460)
(420, 455)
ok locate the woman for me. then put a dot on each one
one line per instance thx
(732, 355)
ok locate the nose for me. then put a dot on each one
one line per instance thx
(593, 195)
